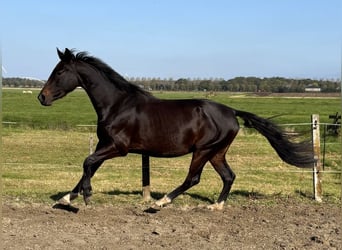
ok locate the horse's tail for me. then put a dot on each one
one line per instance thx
(299, 154)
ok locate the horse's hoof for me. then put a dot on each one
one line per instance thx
(86, 197)
(87, 200)
(216, 206)
(163, 201)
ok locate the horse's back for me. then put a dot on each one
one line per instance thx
(176, 127)
(184, 111)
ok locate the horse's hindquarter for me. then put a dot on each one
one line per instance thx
(177, 127)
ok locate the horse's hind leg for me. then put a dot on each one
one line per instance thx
(198, 161)
(227, 175)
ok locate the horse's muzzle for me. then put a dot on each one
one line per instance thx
(42, 99)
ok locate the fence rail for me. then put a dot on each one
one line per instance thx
(145, 163)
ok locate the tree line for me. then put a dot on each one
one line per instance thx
(237, 84)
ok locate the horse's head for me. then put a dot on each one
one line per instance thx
(63, 79)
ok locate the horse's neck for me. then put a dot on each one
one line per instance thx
(103, 98)
(107, 98)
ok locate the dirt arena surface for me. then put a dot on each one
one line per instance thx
(284, 225)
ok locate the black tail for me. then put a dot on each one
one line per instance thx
(298, 154)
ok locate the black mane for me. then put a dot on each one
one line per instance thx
(119, 81)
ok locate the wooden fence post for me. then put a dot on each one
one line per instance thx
(146, 177)
(317, 170)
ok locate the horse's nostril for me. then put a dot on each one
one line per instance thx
(41, 98)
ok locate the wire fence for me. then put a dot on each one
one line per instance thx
(91, 131)
(330, 148)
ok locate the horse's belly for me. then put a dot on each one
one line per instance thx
(164, 149)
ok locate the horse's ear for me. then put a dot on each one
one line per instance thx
(60, 54)
(67, 56)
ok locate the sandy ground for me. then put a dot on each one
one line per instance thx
(285, 225)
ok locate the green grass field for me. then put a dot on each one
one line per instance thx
(76, 109)
(43, 153)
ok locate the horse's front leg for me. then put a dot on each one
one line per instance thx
(78, 189)
(93, 162)
(90, 165)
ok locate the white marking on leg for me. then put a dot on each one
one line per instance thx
(163, 201)
(66, 199)
(146, 194)
(216, 206)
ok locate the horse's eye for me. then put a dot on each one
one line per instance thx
(60, 72)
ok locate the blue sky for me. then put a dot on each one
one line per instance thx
(178, 38)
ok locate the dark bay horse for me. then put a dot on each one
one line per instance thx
(131, 120)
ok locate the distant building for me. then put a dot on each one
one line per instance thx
(311, 89)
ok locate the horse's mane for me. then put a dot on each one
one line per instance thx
(115, 78)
